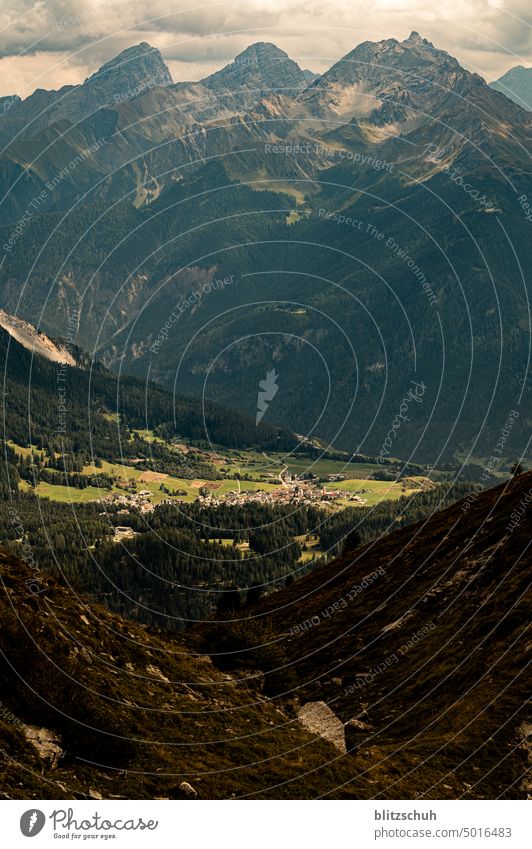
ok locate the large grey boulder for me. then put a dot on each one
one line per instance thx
(318, 718)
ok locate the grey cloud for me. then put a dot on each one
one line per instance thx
(85, 33)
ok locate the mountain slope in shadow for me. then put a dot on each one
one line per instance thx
(417, 642)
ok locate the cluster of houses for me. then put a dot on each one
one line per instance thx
(293, 491)
(128, 500)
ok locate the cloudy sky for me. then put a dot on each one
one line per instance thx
(48, 43)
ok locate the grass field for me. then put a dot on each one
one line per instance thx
(68, 493)
(312, 545)
(129, 473)
(258, 464)
(149, 436)
(111, 417)
(498, 472)
(23, 450)
(376, 491)
(255, 464)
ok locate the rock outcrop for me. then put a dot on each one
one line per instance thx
(318, 718)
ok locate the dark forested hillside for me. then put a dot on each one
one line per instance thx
(175, 570)
(50, 404)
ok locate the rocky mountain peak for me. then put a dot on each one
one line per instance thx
(134, 70)
(388, 82)
(262, 50)
(261, 66)
(517, 85)
(371, 59)
(415, 38)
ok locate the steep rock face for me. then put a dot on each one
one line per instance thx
(260, 67)
(138, 68)
(34, 341)
(261, 70)
(129, 105)
(517, 85)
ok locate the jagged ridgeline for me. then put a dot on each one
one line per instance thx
(409, 651)
(517, 85)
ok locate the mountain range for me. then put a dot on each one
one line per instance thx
(397, 671)
(360, 232)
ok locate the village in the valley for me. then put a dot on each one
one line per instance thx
(293, 489)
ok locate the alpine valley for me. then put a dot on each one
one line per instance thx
(265, 490)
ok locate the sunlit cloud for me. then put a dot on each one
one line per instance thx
(49, 44)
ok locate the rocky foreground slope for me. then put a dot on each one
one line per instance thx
(94, 706)
(419, 644)
(397, 671)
